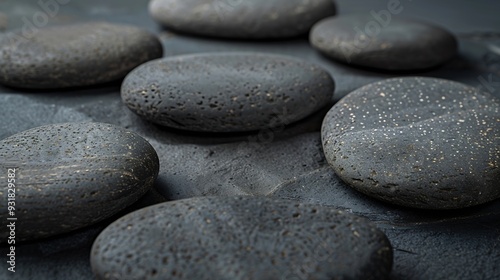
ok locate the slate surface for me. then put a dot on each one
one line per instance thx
(287, 162)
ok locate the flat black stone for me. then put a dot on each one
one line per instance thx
(417, 142)
(71, 175)
(227, 92)
(383, 41)
(256, 19)
(81, 54)
(241, 238)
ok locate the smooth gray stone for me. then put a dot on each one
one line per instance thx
(227, 92)
(383, 41)
(73, 55)
(256, 19)
(240, 238)
(71, 175)
(417, 142)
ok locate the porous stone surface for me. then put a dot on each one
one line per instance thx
(383, 41)
(417, 142)
(71, 175)
(257, 19)
(240, 238)
(226, 92)
(73, 55)
(419, 237)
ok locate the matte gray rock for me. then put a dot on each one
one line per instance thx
(383, 41)
(257, 19)
(74, 55)
(240, 238)
(417, 142)
(71, 175)
(226, 92)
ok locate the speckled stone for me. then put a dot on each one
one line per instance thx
(417, 142)
(226, 92)
(72, 175)
(74, 55)
(256, 19)
(383, 41)
(241, 238)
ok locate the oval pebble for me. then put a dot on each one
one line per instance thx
(74, 55)
(71, 175)
(417, 142)
(383, 41)
(226, 92)
(240, 238)
(256, 19)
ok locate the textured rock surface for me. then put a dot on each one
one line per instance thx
(420, 242)
(72, 175)
(383, 41)
(240, 238)
(417, 142)
(255, 19)
(241, 168)
(227, 92)
(74, 55)
(323, 187)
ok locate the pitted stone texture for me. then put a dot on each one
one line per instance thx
(74, 55)
(383, 41)
(71, 175)
(256, 19)
(226, 92)
(240, 238)
(417, 142)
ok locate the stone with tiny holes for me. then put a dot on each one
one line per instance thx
(73, 55)
(240, 238)
(383, 41)
(226, 92)
(417, 142)
(256, 19)
(71, 175)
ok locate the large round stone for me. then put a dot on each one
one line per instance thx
(383, 41)
(240, 238)
(226, 92)
(256, 19)
(74, 55)
(417, 142)
(67, 176)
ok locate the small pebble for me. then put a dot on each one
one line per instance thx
(417, 142)
(383, 41)
(227, 92)
(256, 19)
(240, 238)
(74, 55)
(71, 175)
